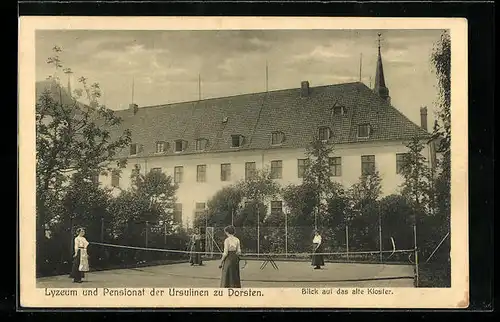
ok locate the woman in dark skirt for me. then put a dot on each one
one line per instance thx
(195, 258)
(80, 257)
(231, 260)
(317, 259)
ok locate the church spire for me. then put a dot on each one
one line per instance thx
(380, 87)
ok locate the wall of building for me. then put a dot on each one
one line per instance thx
(191, 192)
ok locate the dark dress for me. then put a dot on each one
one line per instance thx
(231, 271)
(317, 260)
(195, 258)
(76, 274)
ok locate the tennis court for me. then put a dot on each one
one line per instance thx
(288, 274)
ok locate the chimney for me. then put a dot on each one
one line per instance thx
(133, 107)
(304, 89)
(423, 117)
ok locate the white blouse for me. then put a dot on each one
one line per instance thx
(317, 239)
(232, 244)
(80, 242)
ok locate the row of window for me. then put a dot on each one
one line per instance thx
(276, 208)
(367, 167)
(277, 138)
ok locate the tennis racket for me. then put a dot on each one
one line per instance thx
(240, 259)
(244, 263)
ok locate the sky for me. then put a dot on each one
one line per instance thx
(166, 66)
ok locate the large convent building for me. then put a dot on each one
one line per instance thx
(208, 144)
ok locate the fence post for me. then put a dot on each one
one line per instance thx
(72, 239)
(102, 229)
(165, 233)
(416, 254)
(258, 231)
(147, 228)
(71, 242)
(380, 235)
(286, 234)
(347, 241)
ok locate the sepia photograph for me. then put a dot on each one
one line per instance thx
(173, 162)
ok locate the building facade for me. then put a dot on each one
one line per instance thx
(208, 144)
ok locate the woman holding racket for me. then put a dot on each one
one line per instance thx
(196, 249)
(230, 262)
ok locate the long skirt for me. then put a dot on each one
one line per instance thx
(195, 258)
(80, 265)
(231, 272)
(317, 260)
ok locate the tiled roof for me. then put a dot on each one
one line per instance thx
(256, 116)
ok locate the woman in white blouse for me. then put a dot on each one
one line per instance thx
(230, 260)
(317, 259)
(80, 257)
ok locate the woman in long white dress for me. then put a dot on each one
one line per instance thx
(317, 258)
(80, 257)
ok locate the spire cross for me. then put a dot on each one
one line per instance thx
(379, 34)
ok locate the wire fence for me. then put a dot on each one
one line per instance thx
(342, 244)
(345, 243)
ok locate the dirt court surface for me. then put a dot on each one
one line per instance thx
(289, 274)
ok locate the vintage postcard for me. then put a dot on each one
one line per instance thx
(250, 162)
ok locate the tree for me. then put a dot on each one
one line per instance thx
(363, 214)
(439, 224)
(441, 62)
(417, 184)
(71, 137)
(86, 204)
(367, 190)
(301, 202)
(222, 208)
(159, 189)
(317, 175)
(147, 204)
(397, 222)
(257, 189)
(318, 202)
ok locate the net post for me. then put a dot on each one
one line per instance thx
(347, 241)
(416, 254)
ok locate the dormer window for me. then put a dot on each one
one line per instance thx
(277, 138)
(324, 133)
(161, 146)
(364, 131)
(180, 145)
(236, 141)
(201, 144)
